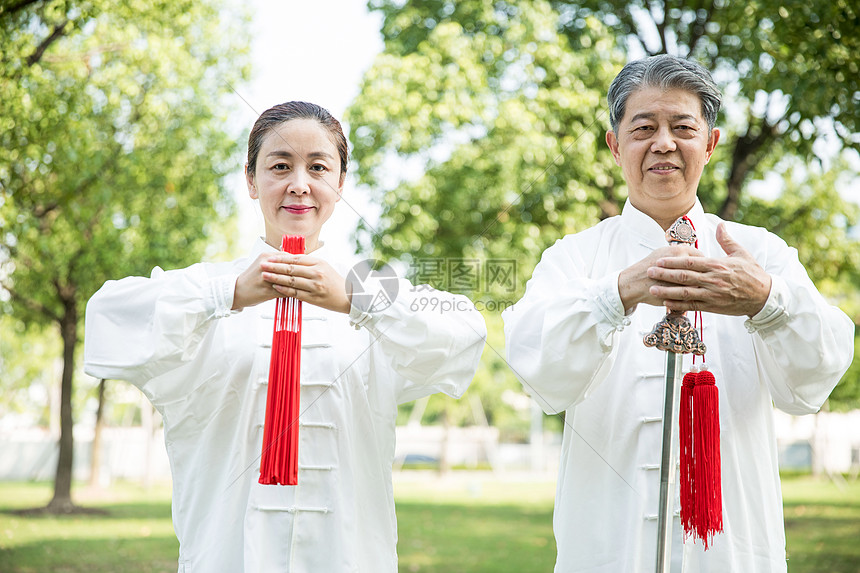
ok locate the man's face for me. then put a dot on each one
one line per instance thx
(662, 146)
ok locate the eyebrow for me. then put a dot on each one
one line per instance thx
(290, 154)
(649, 115)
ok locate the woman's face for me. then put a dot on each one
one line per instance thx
(297, 180)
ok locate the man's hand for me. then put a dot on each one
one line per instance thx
(634, 282)
(732, 285)
(303, 277)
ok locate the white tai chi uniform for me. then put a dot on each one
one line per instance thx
(205, 369)
(574, 349)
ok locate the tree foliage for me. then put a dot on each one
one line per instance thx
(27, 360)
(112, 151)
(480, 127)
(504, 123)
(790, 69)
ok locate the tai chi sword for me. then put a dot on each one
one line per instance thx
(677, 337)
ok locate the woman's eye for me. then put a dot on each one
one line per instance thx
(280, 167)
(318, 167)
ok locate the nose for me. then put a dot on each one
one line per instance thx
(663, 141)
(298, 184)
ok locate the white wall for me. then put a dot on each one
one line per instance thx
(31, 454)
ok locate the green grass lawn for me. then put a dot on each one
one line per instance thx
(470, 524)
(822, 526)
(134, 536)
(475, 525)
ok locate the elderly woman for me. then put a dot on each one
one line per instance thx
(197, 342)
(576, 342)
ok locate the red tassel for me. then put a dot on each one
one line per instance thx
(685, 417)
(707, 518)
(279, 463)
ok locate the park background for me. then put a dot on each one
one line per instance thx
(476, 131)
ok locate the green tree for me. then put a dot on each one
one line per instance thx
(26, 368)
(112, 153)
(505, 123)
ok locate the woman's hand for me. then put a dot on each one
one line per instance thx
(303, 277)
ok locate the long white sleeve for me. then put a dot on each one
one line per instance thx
(561, 335)
(803, 344)
(138, 328)
(432, 340)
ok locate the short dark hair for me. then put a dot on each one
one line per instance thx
(665, 72)
(276, 115)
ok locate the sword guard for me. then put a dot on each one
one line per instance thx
(676, 334)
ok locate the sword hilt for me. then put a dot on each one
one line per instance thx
(675, 333)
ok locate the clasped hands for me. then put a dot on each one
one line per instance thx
(681, 278)
(306, 278)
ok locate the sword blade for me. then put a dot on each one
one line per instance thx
(668, 461)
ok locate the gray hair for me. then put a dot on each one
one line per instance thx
(664, 72)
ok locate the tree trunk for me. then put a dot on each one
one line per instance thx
(62, 500)
(96, 454)
(54, 398)
(745, 156)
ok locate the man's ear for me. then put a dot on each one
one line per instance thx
(612, 142)
(713, 138)
(249, 179)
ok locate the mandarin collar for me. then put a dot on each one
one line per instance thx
(649, 232)
(261, 246)
(324, 252)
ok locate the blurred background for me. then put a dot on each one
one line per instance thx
(476, 133)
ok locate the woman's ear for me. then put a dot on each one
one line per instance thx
(340, 188)
(249, 179)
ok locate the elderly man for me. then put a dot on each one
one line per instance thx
(575, 340)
